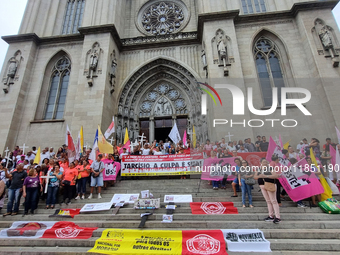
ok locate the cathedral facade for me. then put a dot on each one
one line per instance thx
(148, 63)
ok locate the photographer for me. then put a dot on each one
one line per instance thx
(97, 169)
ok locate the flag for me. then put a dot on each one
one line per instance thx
(328, 192)
(71, 150)
(286, 145)
(194, 140)
(280, 140)
(174, 134)
(127, 146)
(338, 134)
(94, 148)
(82, 139)
(103, 145)
(126, 138)
(185, 143)
(37, 157)
(68, 230)
(78, 147)
(111, 129)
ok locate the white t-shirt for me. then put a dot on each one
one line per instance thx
(224, 145)
(123, 154)
(145, 152)
(29, 158)
(43, 156)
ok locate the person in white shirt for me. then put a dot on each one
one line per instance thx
(30, 156)
(52, 153)
(44, 155)
(223, 144)
(292, 154)
(157, 152)
(299, 146)
(124, 153)
(231, 146)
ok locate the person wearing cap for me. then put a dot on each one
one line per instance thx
(299, 146)
(21, 160)
(97, 178)
(123, 154)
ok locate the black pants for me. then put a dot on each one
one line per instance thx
(278, 191)
(68, 192)
(31, 199)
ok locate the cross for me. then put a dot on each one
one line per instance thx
(7, 157)
(23, 148)
(229, 136)
(133, 145)
(111, 140)
(142, 139)
(47, 177)
(277, 141)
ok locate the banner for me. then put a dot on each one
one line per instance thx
(203, 242)
(68, 230)
(65, 213)
(127, 198)
(300, 187)
(125, 241)
(213, 208)
(27, 229)
(216, 169)
(111, 171)
(179, 164)
(96, 207)
(246, 240)
(178, 198)
(253, 158)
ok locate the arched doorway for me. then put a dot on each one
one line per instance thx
(155, 97)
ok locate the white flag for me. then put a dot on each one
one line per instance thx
(94, 148)
(78, 147)
(338, 134)
(111, 129)
(174, 134)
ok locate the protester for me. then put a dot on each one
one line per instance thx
(244, 174)
(2, 184)
(235, 182)
(15, 190)
(69, 181)
(97, 169)
(83, 174)
(31, 187)
(53, 186)
(267, 180)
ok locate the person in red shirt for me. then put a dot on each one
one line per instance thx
(84, 173)
(69, 181)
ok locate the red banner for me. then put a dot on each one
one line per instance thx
(253, 158)
(65, 213)
(68, 230)
(203, 242)
(213, 208)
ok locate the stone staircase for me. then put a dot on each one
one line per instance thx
(302, 230)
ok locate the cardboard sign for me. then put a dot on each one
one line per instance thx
(147, 203)
(178, 198)
(128, 198)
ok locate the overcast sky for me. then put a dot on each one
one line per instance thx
(11, 13)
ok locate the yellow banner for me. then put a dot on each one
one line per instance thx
(126, 241)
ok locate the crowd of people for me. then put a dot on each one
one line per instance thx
(55, 174)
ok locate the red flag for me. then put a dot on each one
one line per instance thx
(68, 230)
(203, 242)
(65, 213)
(213, 208)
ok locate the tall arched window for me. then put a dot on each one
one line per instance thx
(253, 6)
(73, 16)
(269, 70)
(55, 104)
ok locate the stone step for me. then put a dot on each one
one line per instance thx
(184, 217)
(183, 209)
(278, 245)
(186, 224)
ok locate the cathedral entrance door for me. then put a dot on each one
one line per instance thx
(162, 128)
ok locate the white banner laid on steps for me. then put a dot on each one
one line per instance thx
(246, 240)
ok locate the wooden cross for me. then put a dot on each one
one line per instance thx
(23, 148)
(111, 140)
(142, 139)
(47, 177)
(86, 146)
(229, 136)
